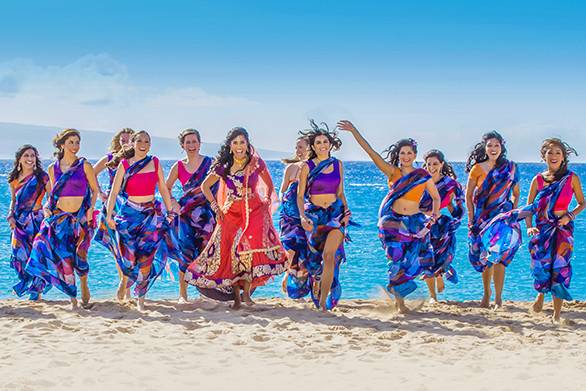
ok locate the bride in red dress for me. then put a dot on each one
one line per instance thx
(244, 250)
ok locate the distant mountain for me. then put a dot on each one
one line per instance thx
(94, 144)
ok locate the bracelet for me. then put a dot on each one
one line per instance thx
(571, 215)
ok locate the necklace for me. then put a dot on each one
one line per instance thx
(240, 162)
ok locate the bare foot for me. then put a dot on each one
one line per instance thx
(248, 300)
(439, 283)
(140, 304)
(559, 321)
(538, 305)
(85, 295)
(121, 293)
(236, 305)
(485, 303)
(74, 304)
(402, 308)
(182, 300)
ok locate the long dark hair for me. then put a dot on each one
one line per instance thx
(447, 169)
(224, 159)
(392, 152)
(316, 131)
(60, 138)
(566, 151)
(126, 152)
(295, 159)
(17, 170)
(478, 154)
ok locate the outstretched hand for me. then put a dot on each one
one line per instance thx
(346, 126)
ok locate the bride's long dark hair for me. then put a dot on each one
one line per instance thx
(224, 158)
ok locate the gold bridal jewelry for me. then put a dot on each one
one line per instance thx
(239, 161)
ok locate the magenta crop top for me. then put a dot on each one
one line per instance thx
(142, 184)
(325, 183)
(77, 184)
(182, 173)
(565, 197)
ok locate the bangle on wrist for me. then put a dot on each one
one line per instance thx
(571, 215)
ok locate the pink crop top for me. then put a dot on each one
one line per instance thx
(565, 197)
(182, 172)
(142, 184)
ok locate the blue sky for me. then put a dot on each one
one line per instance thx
(441, 72)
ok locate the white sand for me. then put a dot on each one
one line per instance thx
(286, 345)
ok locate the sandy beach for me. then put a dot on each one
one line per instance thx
(286, 345)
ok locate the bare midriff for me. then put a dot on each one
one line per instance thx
(406, 207)
(69, 204)
(323, 200)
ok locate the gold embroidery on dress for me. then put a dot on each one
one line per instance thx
(208, 264)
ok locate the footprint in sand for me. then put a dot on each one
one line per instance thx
(261, 338)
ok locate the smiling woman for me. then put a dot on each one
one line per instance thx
(244, 250)
(60, 249)
(403, 226)
(140, 233)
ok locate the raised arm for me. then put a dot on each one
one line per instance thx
(387, 168)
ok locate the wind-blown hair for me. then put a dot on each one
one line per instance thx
(478, 154)
(317, 131)
(224, 158)
(115, 145)
(59, 141)
(126, 152)
(17, 170)
(447, 169)
(566, 151)
(392, 152)
(295, 159)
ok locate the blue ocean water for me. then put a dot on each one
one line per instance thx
(365, 269)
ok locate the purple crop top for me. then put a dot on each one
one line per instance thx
(76, 186)
(325, 183)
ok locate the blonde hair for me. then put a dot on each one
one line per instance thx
(115, 145)
(60, 139)
(126, 152)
